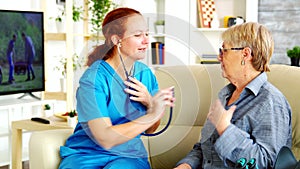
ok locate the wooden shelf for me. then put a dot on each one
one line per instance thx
(158, 35)
(202, 60)
(55, 96)
(93, 37)
(211, 29)
(209, 61)
(55, 36)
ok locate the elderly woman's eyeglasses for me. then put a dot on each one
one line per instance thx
(222, 50)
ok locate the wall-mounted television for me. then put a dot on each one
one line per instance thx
(21, 52)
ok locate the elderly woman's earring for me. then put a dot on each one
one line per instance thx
(243, 62)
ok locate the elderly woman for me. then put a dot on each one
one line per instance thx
(251, 118)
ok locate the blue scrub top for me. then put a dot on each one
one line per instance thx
(101, 94)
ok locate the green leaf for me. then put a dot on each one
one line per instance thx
(47, 107)
(99, 9)
(72, 113)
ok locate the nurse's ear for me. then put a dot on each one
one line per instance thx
(115, 39)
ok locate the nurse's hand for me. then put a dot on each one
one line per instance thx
(162, 99)
(138, 92)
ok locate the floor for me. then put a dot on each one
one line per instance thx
(25, 165)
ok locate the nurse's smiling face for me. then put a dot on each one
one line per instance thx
(135, 40)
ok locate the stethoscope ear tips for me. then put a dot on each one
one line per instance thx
(119, 43)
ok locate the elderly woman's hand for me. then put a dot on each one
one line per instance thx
(138, 92)
(183, 166)
(220, 117)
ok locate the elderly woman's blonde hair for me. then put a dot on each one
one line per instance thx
(255, 36)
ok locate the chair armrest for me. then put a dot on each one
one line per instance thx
(44, 148)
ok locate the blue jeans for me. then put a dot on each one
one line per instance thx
(11, 67)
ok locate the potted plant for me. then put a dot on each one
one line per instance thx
(59, 19)
(72, 113)
(62, 68)
(47, 110)
(61, 14)
(159, 26)
(294, 55)
(77, 13)
(77, 17)
(98, 11)
(72, 120)
(60, 24)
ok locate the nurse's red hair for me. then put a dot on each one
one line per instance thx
(113, 24)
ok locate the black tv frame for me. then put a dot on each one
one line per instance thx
(35, 21)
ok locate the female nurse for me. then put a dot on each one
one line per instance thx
(117, 100)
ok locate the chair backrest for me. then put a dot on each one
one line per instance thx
(196, 86)
(287, 80)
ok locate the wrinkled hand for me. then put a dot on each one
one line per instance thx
(220, 117)
(138, 92)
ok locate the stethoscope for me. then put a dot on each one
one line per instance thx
(127, 77)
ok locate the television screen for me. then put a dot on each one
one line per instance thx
(21, 52)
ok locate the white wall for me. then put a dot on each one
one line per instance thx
(20, 4)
